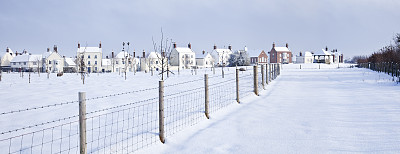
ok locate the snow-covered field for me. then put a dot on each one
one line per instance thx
(318, 108)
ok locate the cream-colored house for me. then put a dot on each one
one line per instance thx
(92, 56)
(204, 60)
(6, 59)
(106, 65)
(183, 57)
(153, 62)
(52, 61)
(221, 56)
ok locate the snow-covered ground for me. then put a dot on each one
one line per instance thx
(303, 111)
(318, 108)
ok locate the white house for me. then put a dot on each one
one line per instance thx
(153, 62)
(204, 60)
(305, 58)
(124, 60)
(106, 65)
(323, 56)
(69, 65)
(26, 62)
(6, 59)
(92, 57)
(183, 57)
(52, 61)
(221, 56)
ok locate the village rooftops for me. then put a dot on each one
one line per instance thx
(70, 61)
(122, 54)
(183, 50)
(153, 55)
(26, 58)
(323, 52)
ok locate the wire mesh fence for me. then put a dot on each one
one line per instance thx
(127, 122)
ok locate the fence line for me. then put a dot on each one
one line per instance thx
(389, 68)
(134, 125)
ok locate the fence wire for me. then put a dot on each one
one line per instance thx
(127, 122)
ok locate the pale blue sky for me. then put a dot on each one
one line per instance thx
(355, 27)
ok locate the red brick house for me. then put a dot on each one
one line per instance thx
(263, 58)
(280, 54)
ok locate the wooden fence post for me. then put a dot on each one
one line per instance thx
(161, 110)
(82, 122)
(237, 86)
(266, 73)
(206, 95)
(255, 80)
(262, 76)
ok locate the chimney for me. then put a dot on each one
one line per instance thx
(55, 48)
(287, 45)
(7, 50)
(63, 56)
(25, 51)
(48, 49)
(134, 54)
(100, 44)
(273, 45)
(215, 46)
(112, 54)
(106, 57)
(174, 44)
(79, 45)
(16, 53)
(189, 46)
(204, 52)
(301, 54)
(144, 54)
(230, 47)
(326, 48)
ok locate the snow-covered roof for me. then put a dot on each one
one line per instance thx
(89, 49)
(70, 61)
(307, 54)
(154, 55)
(201, 55)
(106, 62)
(26, 57)
(281, 49)
(122, 54)
(223, 50)
(10, 51)
(46, 54)
(322, 52)
(183, 50)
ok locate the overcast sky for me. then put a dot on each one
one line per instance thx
(355, 27)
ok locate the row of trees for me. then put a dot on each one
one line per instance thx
(390, 53)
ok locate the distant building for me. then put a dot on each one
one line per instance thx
(280, 54)
(305, 58)
(26, 62)
(204, 60)
(184, 58)
(6, 59)
(153, 62)
(52, 61)
(92, 57)
(221, 56)
(69, 65)
(323, 56)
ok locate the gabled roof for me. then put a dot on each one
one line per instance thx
(154, 55)
(307, 54)
(69, 62)
(202, 56)
(223, 50)
(122, 54)
(89, 49)
(183, 50)
(281, 49)
(26, 58)
(322, 52)
(46, 54)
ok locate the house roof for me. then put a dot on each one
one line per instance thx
(183, 50)
(201, 55)
(46, 54)
(322, 52)
(281, 49)
(70, 61)
(307, 54)
(26, 57)
(89, 49)
(122, 54)
(154, 55)
(106, 62)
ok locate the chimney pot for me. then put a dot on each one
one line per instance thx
(230, 47)
(134, 54)
(79, 45)
(273, 45)
(204, 52)
(287, 45)
(112, 54)
(144, 54)
(189, 46)
(326, 48)
(100, 44)
(7, 50)
(215, 47)
(174, 44)
(55, 48)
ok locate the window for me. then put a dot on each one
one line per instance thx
(95, 56)
(49, 62)
(116, 62)
(95, 62)
(14, 63)
(123, 62)
(95, 68)
(34, 63)
(116, 69)
(24, 63)
(191, 56)
(156, 62)
(88, 56)
(88, 62)
(56, 63)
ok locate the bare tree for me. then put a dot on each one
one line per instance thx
(81, 64)
(164, 48)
